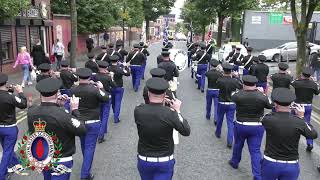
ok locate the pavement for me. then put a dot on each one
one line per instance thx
(201, 156)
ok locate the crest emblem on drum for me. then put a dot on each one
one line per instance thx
(39, 151)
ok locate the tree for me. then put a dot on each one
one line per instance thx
(135, 15)
(301, 11)
(152, 9)
(225, 8)
(11, 8)
(93, 15)
(74, 33)
(193, 11)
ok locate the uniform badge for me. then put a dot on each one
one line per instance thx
(39, 151)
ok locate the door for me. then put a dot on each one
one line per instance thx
(43, 38)
(34, 36)
(21, 37)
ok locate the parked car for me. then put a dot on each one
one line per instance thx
(181, 37)
(286, 52)
(227, 48)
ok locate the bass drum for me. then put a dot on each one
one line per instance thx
(180, 58)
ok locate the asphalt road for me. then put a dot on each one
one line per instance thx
(199, 157)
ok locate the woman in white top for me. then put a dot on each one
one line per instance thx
(58, 50)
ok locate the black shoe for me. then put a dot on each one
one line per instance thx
(318, 168)
(101, 140)
(309, 148)
(202, 91)
(8, 176)
(232, 165)
(229, 146)
(215, 123)
(88, 178)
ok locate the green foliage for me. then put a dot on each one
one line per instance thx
(135, 13)
(11, 8)
(93, 15)
(193, 11)
(152, 9)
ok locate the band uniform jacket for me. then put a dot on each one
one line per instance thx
(106, 80)
(90, 99)
(281, 80)
(155, 123)
(170, 68)
(59, 121)
(205, 59)
(118, 74)
(283, 132)
(139, 59)
(92, 65)
(68, 79)
(8, 104)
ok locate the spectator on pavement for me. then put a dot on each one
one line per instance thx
(58, 51)
(24, 59)
(315, 65)
(38, 54)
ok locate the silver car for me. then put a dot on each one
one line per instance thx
(286, 52)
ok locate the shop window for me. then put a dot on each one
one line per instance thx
(6, 55)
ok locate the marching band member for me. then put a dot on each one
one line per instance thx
(250, 105)
(283, 131)
(261, 71)
(118, 90)
(227, 85)
(106, 78)
(136, 59)
(213, 91)
(247, 61)
(202, 59)
(172, 72)
(155, 123)
(305, 89)
(8, 122)
(91, 96)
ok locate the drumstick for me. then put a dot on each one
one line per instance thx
(175, 133)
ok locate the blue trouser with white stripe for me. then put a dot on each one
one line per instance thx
(136, 73)
(201, 75)
(281, 171)
(116, 95)
(156, 170)
(8, 139)
(253, 134)
(307, 116)
(229, 110)
(104, 117)
(212, 94)
(88, 147)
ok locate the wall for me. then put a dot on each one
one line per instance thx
(262, 34)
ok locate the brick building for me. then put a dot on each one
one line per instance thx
(30, 25)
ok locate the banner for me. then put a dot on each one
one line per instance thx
(256, 20)
(275, 18)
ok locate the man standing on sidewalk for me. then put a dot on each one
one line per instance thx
(305, 89)
(8, 122)
(91, 96)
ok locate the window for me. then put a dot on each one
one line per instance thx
(6, 46)
(292, 46)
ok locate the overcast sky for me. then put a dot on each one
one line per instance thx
(177, 5)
